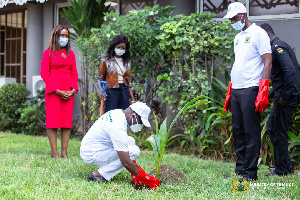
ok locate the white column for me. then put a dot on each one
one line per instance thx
(34, 41)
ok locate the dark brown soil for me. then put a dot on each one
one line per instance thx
(168, 175)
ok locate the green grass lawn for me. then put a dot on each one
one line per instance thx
(28, 172)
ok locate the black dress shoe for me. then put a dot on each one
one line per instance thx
(272, 174)
(271, 168)
(91, 177)
(248, 179)
(291, 171)
(244, 179)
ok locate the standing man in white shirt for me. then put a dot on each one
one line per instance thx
(247, 93)
(108, 146)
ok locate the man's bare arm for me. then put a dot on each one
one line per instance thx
(267, 60)
(127, 163)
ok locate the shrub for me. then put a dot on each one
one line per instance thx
(147, 59)
(12, 97)
(199, 48)
(33, 119)
(294, 141)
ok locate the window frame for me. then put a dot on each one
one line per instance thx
(119, 6)
(22, 53)
(57, 6)
(255, 18)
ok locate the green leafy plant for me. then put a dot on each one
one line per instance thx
(28, 119)
(294, 145)
(294, 135)
(12, 97)
(215, 138)
(33, 115)
(83, 16)
(158, 142)
(147, 59)
(199, 47)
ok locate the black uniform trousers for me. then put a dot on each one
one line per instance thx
(278, 126)
(246, 131)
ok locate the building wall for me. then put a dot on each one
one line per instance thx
(288, 31)
(182, 6)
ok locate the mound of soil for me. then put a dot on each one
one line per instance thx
(167, 175)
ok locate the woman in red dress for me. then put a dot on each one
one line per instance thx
(58, 70)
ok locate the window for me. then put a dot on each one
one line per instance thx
(125, 6)
(257, 9)
(269, 7)
(59, 19)
(219, 7)
(128, 5)
(114, 5)
(13, 45)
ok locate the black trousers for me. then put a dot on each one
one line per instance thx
(117, 98)
(246, 131)
(278, 126)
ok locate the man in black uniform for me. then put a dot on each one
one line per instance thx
(285, 77)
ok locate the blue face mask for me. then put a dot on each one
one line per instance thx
(119, 52)
(238, 25)
(63, 41)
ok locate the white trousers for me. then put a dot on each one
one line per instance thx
(109, 161)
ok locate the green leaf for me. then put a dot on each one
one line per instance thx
(294, 154)
(291, 145)
(212, 141)
(264, 158)
(294, 137)
(228, 140)
(264, 121)
(163, 132)
(152, 140)
(156, 123)
(224, 87)
(208, 120)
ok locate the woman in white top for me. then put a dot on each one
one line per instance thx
(115, 69)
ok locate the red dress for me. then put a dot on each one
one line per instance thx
(59, 72)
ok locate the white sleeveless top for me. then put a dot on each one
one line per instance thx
(120, 74)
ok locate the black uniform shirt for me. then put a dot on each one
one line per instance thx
(285, 74)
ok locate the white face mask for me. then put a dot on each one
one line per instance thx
(135, 127)
(119, 52)
(238, 25)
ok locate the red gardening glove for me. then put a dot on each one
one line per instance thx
(134, 177)
(227, 105)
(262, 101)
(135, 180)
(148, 180)
(143, 178)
